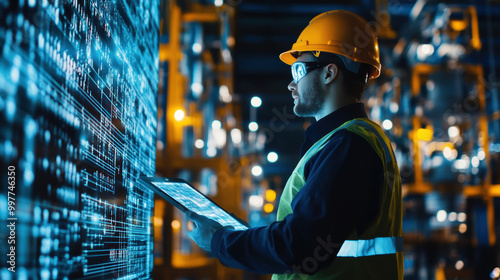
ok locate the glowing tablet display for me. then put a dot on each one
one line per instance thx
(194, 201)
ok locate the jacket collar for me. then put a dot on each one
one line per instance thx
(330, 122)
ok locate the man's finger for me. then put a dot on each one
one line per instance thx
(201, 221)
(192, 215)
(198, 219)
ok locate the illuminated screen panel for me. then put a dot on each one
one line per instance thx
(194, 201)
(78, 84)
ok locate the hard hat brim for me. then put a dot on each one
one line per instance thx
(287, 57)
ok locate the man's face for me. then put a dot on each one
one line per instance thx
(307, 93)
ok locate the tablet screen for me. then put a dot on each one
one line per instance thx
(194, 201)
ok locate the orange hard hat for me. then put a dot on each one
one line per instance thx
(341, 32)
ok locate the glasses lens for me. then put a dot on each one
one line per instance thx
(298, 71)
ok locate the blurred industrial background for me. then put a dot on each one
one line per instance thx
(226, 122)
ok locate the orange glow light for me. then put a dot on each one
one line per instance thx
(176, 224)
(268, 208)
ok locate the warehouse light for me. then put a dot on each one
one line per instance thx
(216, 124)
(459, 265)
(462, 217)
(474, 170)
(256, 101)
(253, 126)
(256, 170)
(462, 228)
(199, 144)
(272, 157)
(453, 131)
(394, 107)
(437, 161)
(226, 56)
(157, 222)
(179, 115)
(219, 134)
(211, 152)
(256, 201)
(450, 154)
(230, 41)
(197, 48)
(481, 154)
(495, 273)
(270, 195)
(475, 161)
(268, 208)
(176, 225)
(236, 136)
(220, 137)
(451, 50)
(443, 50)
(197, 88)
(441, 216)
(159, 146)
(424, 51)
(218, 3)
(224, 94)
(452, 216)
(387, 124)
(417, 8)
(461, 164)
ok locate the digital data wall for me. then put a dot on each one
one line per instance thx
(78, 117)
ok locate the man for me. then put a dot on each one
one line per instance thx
(340, 214)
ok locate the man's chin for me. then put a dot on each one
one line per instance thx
(300, 113)
(295, 111)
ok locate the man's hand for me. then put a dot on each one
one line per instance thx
(203, 231)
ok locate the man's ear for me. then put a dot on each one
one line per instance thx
(331, 73)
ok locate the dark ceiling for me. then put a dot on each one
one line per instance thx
(266, 28)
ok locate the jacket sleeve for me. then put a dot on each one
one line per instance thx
(341, 194)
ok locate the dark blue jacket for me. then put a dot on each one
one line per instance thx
(341, 194)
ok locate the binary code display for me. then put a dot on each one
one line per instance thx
(78, 84)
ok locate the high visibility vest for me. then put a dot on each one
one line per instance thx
(377, 252)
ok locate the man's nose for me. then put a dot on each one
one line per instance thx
(292, 86)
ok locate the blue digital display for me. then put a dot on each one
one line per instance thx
(78, 120)
(194, 201)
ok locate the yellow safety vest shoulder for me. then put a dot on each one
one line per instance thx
(377, 253)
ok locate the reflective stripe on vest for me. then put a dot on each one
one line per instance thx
(371, 247)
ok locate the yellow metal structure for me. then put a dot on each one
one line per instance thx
(485, 190)
(229, 170)
(383, 20)
(469, 19)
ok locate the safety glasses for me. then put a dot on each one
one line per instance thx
(300, 69)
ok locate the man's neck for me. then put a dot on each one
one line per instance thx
(331, 107)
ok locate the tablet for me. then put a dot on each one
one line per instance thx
(185, 197)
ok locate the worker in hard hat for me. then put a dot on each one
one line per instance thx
(340, 214)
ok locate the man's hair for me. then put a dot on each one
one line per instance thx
(354, 84)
